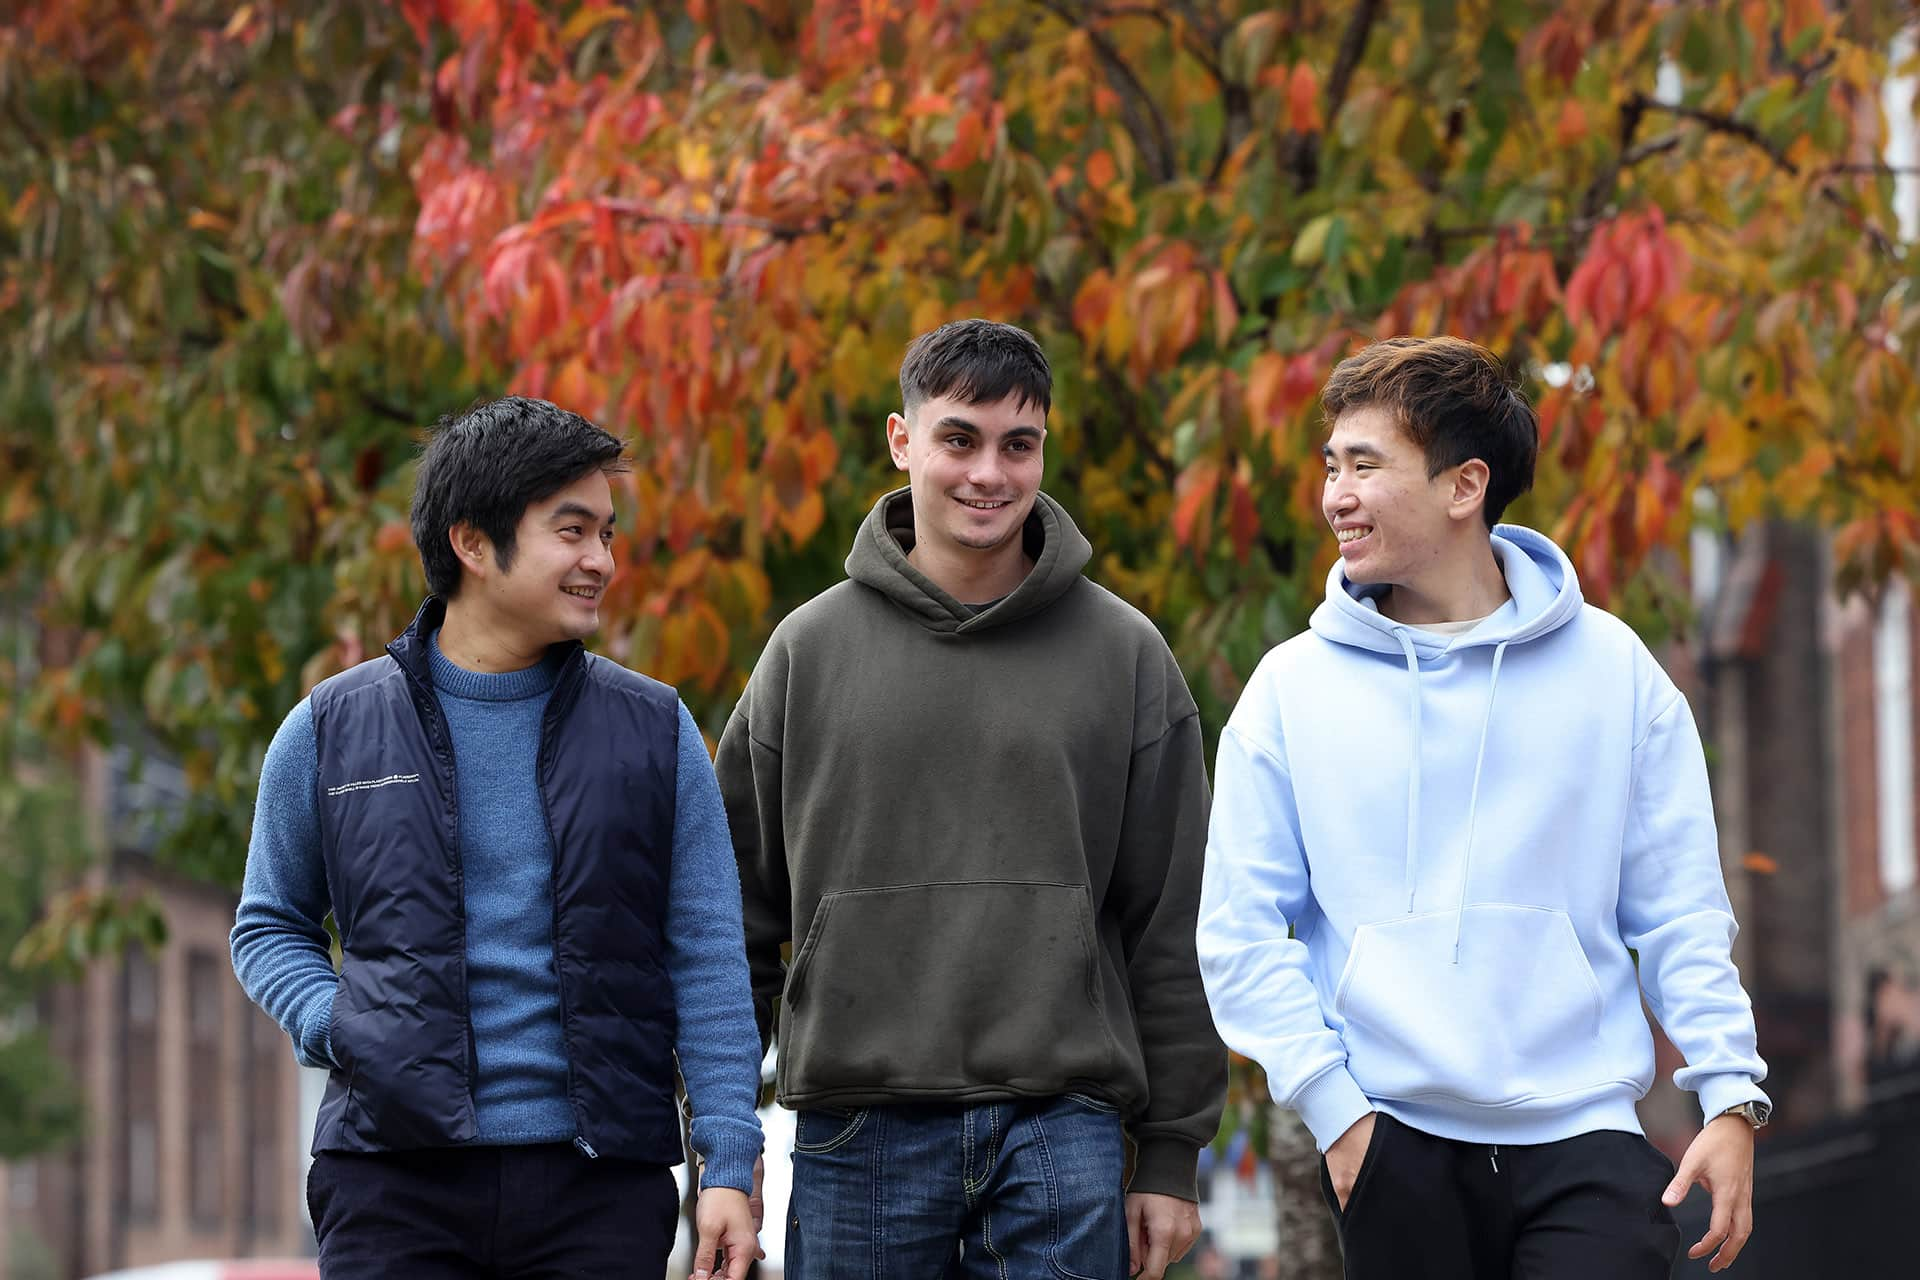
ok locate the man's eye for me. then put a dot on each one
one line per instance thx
(573, 530)
(606, 536)
(958, 442)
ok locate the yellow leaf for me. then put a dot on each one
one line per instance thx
(588, 19)
(695, 160)
(1311, 245)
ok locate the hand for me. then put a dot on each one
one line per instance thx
(756, 1202)
(1347, 1154)
(1160, 1230)
(1721, 1160)
(725, 1221)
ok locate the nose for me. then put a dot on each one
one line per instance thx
(985, 471)
(1337, 498)
(598, 558)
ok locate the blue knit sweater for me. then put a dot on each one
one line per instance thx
(282, 957)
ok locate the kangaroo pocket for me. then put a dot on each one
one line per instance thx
(938, 988)
(1516, 1020)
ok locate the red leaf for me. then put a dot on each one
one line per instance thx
(1193, 501)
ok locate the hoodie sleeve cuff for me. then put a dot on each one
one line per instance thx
(1330, 1104)
(1717, 1093)
(1166, 1167)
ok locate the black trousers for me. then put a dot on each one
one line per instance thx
(1427, 1208)
(491, 1213)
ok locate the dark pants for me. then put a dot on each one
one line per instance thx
(464, 1213)
(1026, 1190)
(1427, 1208)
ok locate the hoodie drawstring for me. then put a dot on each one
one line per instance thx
(1473, 799)
(1413, 777)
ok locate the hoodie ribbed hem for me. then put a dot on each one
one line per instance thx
(1531, 1125)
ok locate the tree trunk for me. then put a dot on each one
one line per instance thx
(1309, 1249)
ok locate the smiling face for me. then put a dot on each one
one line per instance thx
(549, 590)
(1395, 524)
(973, 468)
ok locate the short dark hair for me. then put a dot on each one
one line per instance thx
(1455, 399)
(976, 362)
(487, 465)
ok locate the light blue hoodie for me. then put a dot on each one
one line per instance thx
(1470, 837)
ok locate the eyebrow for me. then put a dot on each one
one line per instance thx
(953, 422)
(579, 511)
(1358, 450)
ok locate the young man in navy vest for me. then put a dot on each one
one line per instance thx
(524, 849)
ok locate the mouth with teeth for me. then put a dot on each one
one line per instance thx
(981, 505)
(1348, 537)
(583, 593)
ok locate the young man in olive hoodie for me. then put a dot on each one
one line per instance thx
(968, 786)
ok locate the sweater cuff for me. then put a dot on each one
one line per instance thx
(1717, 1093)
(1166, 1167)
(1330, 1104)
(314, 1048)
(727, 1150)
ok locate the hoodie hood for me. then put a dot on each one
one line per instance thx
(879, 560)
(1545, 595)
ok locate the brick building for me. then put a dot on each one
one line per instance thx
(1810, 708)
(197, 1115)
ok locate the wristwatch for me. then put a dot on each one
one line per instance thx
(1754, 1113)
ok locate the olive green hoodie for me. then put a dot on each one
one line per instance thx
(983, 831)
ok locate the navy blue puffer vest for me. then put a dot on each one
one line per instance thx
(389, 825)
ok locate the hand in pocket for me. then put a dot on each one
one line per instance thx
(1347, 1155)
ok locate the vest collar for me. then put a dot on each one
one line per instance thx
(412, 651)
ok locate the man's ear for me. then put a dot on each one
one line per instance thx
(471, 547)
(1469, 495)
(897, 440)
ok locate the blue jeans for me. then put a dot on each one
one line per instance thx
(1023, 1190)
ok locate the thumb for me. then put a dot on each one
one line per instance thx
(703, 1255)
(1683, 1179)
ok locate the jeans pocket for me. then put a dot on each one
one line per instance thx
(1093, 1104)
(818, 1130)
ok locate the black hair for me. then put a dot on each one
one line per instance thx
(1457, 402)
(487, 465)
(976, 362)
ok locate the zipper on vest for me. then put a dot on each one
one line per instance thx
(566, 1021)
(1493, 1158)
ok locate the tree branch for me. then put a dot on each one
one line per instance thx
(1718, 123)
(642, 212)
(1303, 150)
(1137, 107)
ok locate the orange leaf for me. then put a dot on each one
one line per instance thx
(1303, 99)
(1100, 170)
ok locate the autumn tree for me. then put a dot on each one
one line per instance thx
(250, 251)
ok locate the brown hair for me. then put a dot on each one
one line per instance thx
(1454, 399)
(976, 362)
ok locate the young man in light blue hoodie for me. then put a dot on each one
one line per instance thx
(1459, 828)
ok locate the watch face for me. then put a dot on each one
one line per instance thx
(1759, 1113)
